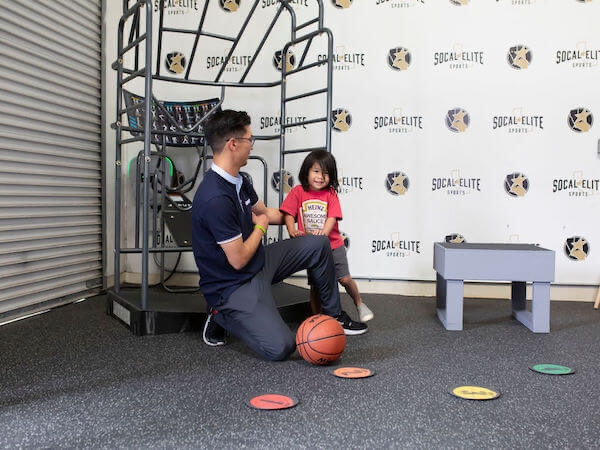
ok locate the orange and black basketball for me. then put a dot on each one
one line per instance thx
(320, 339)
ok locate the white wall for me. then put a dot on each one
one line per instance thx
(457, 63)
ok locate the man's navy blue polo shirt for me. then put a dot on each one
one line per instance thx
(218, 217)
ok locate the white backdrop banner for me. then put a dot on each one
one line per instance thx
(458, 120)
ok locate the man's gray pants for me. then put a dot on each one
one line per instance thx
(251, 314)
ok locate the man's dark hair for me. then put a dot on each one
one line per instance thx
(223, 125)
(326, 162)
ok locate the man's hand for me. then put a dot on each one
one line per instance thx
(260, 220)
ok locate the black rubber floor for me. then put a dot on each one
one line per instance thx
(77, 378)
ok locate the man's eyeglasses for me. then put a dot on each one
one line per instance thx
(251, 139)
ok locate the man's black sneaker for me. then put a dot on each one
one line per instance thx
(213, 333)
(350, 326)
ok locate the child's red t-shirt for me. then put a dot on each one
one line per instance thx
(311, 209)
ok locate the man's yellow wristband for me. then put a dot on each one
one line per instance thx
(261, 228)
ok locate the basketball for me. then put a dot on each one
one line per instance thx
(320, 339)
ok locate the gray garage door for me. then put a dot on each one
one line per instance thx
(50, 155)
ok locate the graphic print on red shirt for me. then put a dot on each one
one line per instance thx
(311, 209)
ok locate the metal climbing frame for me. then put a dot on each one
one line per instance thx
(135, 119)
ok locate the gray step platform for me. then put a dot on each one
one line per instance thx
(517, 263)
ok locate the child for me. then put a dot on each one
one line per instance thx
(316, 207)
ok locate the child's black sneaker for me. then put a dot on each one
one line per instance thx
(350, 326)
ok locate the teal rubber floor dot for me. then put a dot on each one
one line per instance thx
(552, 369)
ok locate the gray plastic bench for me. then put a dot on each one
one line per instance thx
(518, 263)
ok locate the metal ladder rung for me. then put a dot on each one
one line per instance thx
(308, 94)
(137, 73)
(218, 36)
(303, 150)
(132, 44)
(304, 122)
(219, 84)
(133, 139)
(179, 30)
(132, 130)
(201, 33)
(305, 24)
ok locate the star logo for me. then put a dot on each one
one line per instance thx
(455, 238)
(457, 120)
(397, 183)
(519, 57)
(230, 5)
(290, 60)
(577, 248)
(580, 120)
(516, 184)
(175, 62)
(346, 239)
(399, 58)
(342, 4)
(288, 181)
(341, 120)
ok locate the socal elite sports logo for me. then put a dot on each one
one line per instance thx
(396, 183)
(341, 119)
(576, 185)
(516, 184)
(520, 2)
(177, 7)
(398, 122)
(519, 57)
(457, 120)
(348, 184)
(577, 248)
(235, 63)
(268, 3)
(458, 58)
(455, 184)
(273, 123)
(290, 60)
(580, 57)
(344, 58)
(518, 122)
(400, 3)
(580, 120)
(396, 246)
(455, 238)
(175, 63)
(288, 181)
(399, 58)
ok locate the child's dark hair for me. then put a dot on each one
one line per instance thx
(327, 163)
(223, 125)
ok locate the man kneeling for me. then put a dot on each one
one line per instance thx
(236, 270)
